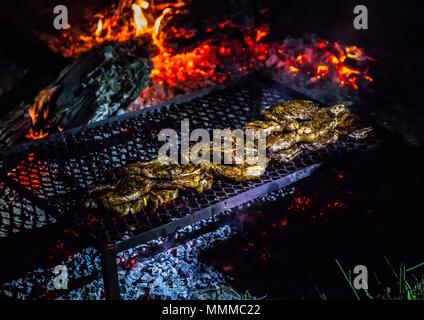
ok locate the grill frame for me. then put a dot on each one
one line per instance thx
(302, 167)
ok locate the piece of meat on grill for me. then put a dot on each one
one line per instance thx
(294, 110)
(198, 182)
(279, 142)
(318, 129)
(157, 169)
(154, 169)
(133, 207)
(123, 191)
(268, 127)
(152, 182)
(240, 173)
(285, 155)
(160, 197)
(172, 176)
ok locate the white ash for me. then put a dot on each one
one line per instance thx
(175, 273)
(17, 214)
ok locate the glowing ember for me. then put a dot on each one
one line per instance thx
(206, 64)
(300, 204)
(194, 66)
(140, 19)
(28, 172)
(323, 60)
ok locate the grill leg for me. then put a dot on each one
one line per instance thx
(110, 274)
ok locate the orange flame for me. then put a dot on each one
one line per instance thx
(325, 60)
(40, 107)
(118, 25)
(99, 29)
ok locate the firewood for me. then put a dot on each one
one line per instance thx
(93, 87)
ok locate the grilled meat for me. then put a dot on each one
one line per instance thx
(240, 173)
(277, 142)
(317, 129)
(198, 182)
(154, 169)
(269, 127)
(285, 155)
(133, 207)
(148, 182)
(123, 191)
(160, 197)
(290, 111)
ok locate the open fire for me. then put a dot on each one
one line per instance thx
(211, 61)
(40, 108)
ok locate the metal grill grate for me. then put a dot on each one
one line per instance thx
(59, 169)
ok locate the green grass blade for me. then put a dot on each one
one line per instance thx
(347, 279)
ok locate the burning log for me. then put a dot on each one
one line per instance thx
(93, 87)
(98, 84)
